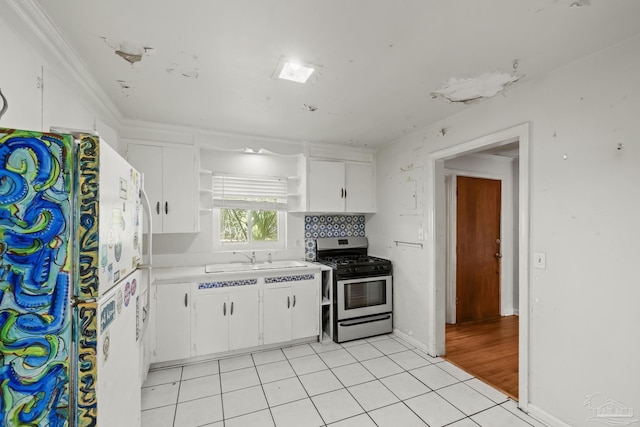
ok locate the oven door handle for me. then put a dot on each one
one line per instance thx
(363, 321)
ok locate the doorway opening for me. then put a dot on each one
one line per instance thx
(506, 254)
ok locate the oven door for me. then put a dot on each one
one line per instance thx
(363, 297)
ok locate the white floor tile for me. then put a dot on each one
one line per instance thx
(298, 351)
(428, 357)
(160, 395)
(200, 370)
(275, 371)
(396, 415)
(337, 358)
(325, 346)
(364, 351)
(284, 391)
(358, 421)
(307, 364)
(403, 342)
(354, 343)
(434, 410)
(382, 367)
(242, 378)
(199, 412)
(409, 360)
(269, 356)
(301, 413)
(320, 382)
(467, 422)
(336, 405)
(487, 390)
(455, 371)
(389, 346)
(499, 417)
(199, 387)
(512, 407)
(372, 395)
(353, 374)
(405, 385)
(255, 419)
(377, 338)
(245, 401)
(163, 376)
(433, 377)
(159, 417)
(234, 363)
(465, 398)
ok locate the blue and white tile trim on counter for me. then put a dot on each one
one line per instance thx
(320, 226)
(228, 283)
(282, 279)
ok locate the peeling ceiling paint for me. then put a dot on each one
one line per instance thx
(470, 89)
(130, 52)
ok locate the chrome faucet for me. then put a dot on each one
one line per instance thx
(251, 258)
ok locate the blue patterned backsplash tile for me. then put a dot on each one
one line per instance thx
(243, 282)
(283, 279)
(320, 226)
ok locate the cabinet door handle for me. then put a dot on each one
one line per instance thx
(166, 207)
(294, 300)
(231, 308)
(345, 193)
(224, 309)
(288, 302)
(342, 193)
(186, 300)
(158, 207)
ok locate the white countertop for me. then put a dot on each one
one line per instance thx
(196, 273)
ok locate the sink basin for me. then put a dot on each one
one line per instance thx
(245, 266)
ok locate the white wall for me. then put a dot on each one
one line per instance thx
(584, 312)
(41, 92)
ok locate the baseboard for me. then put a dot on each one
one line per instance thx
(419, 345)
(516, 312)
(545, 417)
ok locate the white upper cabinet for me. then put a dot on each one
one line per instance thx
(170, 181)
(337, 186)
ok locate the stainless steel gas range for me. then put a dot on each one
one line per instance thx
(362, 288)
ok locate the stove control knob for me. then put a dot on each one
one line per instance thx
(349, 270)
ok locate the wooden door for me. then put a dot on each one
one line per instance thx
(478, 249)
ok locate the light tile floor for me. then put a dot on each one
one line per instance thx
(381, 381)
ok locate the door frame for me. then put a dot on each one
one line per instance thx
(437, 235)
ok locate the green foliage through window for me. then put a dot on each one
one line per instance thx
(236, 223)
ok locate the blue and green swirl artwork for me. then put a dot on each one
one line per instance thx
(36, 187)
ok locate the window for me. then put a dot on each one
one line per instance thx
(250, 210)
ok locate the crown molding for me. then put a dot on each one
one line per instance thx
(47, 39)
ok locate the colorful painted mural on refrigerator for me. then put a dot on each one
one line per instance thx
(35, 262)
(87, 285)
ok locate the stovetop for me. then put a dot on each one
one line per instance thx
(352, 260)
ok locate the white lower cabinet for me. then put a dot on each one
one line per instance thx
(290, 311)
(224, 320)
(173, 320)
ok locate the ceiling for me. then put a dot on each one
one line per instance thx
(209, 64)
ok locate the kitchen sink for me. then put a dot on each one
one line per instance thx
(247, 266)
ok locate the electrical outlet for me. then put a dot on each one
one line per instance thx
(540, 260)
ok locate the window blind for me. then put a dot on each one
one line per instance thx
(249, 192)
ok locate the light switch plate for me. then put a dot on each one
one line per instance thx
(540, 260)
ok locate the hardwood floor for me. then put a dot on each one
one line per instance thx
(488, 350)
